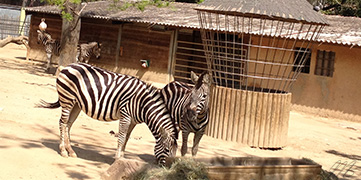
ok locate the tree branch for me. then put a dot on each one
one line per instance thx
(17, 40)
(81, 10)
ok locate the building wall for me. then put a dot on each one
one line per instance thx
(53, 22)
(140, 43)
(137, 42)
(338, 96)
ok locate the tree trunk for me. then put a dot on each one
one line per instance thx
(69, 35)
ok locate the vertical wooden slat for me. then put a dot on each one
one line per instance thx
(252, 119)
(211, 112)
(213, 102)
(258, 118)
(247, 116)
(236, 126)
(263, 120)
(217, 112)
(281, 119)
(286, 116)
(231, 123)
(273, 121)
(242, 113)
(268, 121)
(277, 121)
(226, 112)
(221, 114)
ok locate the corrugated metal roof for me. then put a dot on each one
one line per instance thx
(342, 30)
(289, 10)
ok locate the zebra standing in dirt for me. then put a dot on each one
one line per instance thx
(188, 106)
(86, 50)
(108, 96)
(52, 46)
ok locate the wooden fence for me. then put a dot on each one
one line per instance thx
(254, 118)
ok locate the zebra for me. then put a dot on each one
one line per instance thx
(108, 96)
(52, 46)
(86, 50)
(188, 106)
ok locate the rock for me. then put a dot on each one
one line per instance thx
(123, 169)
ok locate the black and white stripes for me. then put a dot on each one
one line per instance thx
(86, 50)
(108, 96)
(52, 46)
(188, 106)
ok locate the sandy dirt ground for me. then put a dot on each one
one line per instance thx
(29, 136)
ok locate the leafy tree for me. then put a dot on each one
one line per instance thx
(339, 7)
(71, 10)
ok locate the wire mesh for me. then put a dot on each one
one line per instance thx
(255, 53)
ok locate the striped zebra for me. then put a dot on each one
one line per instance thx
(86, 50)
(52, 46)
(108, 96)
(188, 106)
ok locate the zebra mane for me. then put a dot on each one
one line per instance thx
(152, 90)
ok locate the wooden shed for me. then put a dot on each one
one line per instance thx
(170, 39)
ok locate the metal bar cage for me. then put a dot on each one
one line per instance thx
(255, 53)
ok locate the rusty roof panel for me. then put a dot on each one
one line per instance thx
(342, 30)
(299, 10)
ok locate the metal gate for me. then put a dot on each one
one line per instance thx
(10, 23)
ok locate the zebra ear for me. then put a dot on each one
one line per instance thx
(194, 77)
(207, 78)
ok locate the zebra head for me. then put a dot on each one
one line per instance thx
(166, 146)
(199, 96)
(97, 49)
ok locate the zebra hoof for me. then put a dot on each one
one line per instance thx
(73, 155)
(64, 154)
(119, 155)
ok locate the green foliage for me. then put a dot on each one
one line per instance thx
(181, 169)
(66, 16)
(118, 4)
(61, 4)
(141, 4)
(340, 7)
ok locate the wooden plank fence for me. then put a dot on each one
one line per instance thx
(254, 118)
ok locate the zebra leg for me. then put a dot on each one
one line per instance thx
(67, 119)
(124, 124)
(184, 148)
(130, 129)
(197, 138)
(73, 115)
(49, 61)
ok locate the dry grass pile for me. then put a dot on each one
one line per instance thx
(181, 169)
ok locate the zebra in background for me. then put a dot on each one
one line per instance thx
(108, 96)
(52, 46)
(188, 106)
(86, 50)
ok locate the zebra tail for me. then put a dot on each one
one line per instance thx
(44, 104)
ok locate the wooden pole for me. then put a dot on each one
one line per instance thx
(117, 51)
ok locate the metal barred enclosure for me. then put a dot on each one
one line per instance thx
(255, 51)
(11, 23)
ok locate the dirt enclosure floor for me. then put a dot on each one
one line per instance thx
(29, 136)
